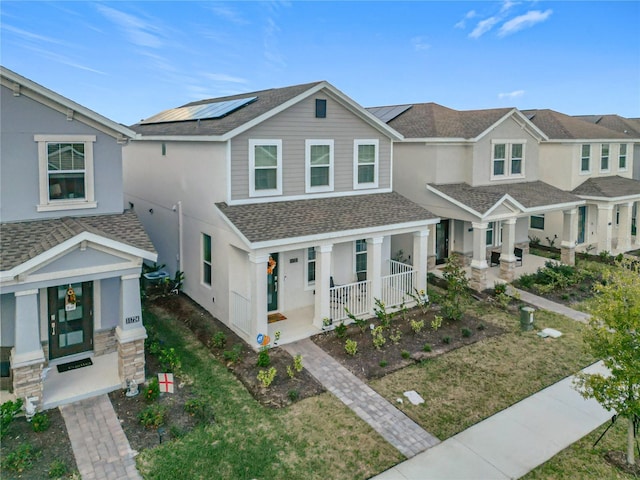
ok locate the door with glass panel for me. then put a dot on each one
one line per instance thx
(582, 223)
(70, 319)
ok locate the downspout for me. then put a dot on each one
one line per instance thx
(180, 242)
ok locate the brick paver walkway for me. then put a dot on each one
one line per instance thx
(99, 444)
(398, 429)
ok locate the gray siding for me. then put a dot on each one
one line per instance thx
(110, 302)
(7, 316)
(21, 118)
(293, 127)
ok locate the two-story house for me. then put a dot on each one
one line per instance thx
(278, 204)
(480, 172)
(596, 164)
(70, 256)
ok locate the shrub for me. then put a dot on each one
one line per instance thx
(395, 336)
(360, 322)
(21, 458)
(293, 395)
(436, 323)
(380, 311)
(8, 411)
(169, 360)
(153, 390)
(152, 416)
(421, 299)
(57, 469)
(416, 325)
(233, 355)
(481, 326)
(446, 339)
(378, 337)
(383, 363)
(219, 340)
(40, 422)
(405, 354)
(263, 357)
(351, 347)
(466, 333)
(457, 295)
(341, 330)
(296, 368)
(426, 347)
(266, 377)
(500, 288)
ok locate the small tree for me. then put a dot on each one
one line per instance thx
(614, 336)
(457, 296)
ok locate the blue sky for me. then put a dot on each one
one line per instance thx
(130, 60)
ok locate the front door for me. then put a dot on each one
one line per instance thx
(582, 223)
(272, 283)
(70, 319)
(442, 241)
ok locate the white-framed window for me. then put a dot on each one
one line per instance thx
(311, 266)
(265, 167)
(507, 159)
(585, 159)
(319, 165)
(537, 221)
(622, 157)
(365, 164)
(206, 259)
(66, 172)
(604, 157)
(489, 234)
(361, 256)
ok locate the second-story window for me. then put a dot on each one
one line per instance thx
(604, 157)
(319, 165)
(585, 159)
(265, 167)
(499, 159)
(622, 157)
(365, 164)
(508, 159)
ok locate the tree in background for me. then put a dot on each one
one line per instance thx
(614, 336)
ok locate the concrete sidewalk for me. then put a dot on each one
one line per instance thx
(512, 442)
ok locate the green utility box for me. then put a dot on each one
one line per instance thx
(526, 318)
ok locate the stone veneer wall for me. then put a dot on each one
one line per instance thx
(131, 361)
(27, 381)
(104, 342)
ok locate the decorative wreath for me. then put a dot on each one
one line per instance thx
(271, 264)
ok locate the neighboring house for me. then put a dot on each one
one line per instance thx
(594, 162)
(70, 257)
(480, 171)
(278, 203)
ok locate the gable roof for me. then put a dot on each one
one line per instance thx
(527, 196)
(628, 126)
(267, 104)
(23, 86)
(613, 186)
(558, 126)
(329, 216)
(21, 242)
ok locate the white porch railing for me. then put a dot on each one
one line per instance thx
(397, 286)
(353, 296)
(240, 312)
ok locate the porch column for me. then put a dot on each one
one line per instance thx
(259, 308)
(431, 248)
(624, 227)
(374, 266)
(478, 280)
(507, 257)
(605, 219)
(322, 285)
(130, 332)
(27, 356)
(569, 237)
(636, 210)
(420, 264)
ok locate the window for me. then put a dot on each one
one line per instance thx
(508, 159)
(311, 266)
(365, 164)
(321, 108)
(265, 165)
(604, 157)
(537, 221)
(66, 171)
(319, 165)
(206, 259)
(361, 256)
(622, 157)
(489, 237)
(585, 160)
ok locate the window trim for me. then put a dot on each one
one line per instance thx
(253, 143)
(376, 163)
(540, 215)
(621, 156)
(48, 205)
(203, 262)
(307, 261)
(356, 253)
(508, 159)
(321, 108)
(607, 156)
(582, 158)
(490, 228)
(308, 167)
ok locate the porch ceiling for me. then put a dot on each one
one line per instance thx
(525, 196)
(608, 187)
(264, 222)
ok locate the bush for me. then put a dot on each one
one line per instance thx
(405, 354)
(21, 458)
(426, 347)
(219, 340)
(383, 363)
(266, 377)
(263, 357)
(466, 333)
(351, 347)
(152, 416)
(500, 288)
(40, 422)
(446, 340)
(8, 411)
(233, 355)
(395, 336)
(293, 395)
(296, 368)
(378, 337)
(457, 295)
(153, 390)
(416, 325)
(341, 330)
(57, 469)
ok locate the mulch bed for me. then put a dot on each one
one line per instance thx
(619, 459)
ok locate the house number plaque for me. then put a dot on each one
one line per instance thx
(134, 319)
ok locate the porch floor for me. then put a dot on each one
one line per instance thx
(298, 325)
(73, 385)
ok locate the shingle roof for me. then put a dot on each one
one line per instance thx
(608, 187)
(298, 218)
(430, 120)
(267, 100)
(528, 194)
(558, 126)
(22, 241)
(628, 126)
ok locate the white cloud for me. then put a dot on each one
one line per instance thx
(507, 5)
(229, 14)
(419, 44)
(521, 22)
(510, 95)
(62, 59)
(139, 31)
(223, 77)
(271, 50)
(483, 27)
(463, 23)
(31, 36)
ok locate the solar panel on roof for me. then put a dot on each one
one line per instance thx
(200, 112)
(386, 114)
